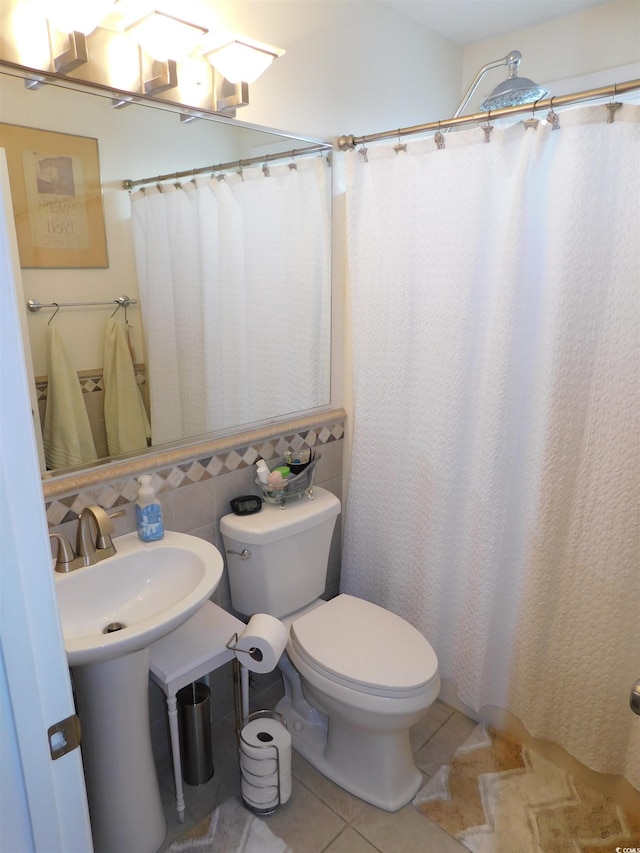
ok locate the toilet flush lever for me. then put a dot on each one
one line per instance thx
(244, 555)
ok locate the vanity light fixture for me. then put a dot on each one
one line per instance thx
(82, 16)
(162, 36)
(75, 54)
(242, 59)
(227, 96)
(70, 21)
(158, 76)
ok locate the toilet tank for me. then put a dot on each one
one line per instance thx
(288, 553)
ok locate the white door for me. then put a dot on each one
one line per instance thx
(43, 806)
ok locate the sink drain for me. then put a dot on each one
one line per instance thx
(114, 626)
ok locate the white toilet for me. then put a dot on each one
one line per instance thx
(356, 676)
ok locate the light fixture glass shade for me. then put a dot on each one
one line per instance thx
(81, 16)
(165, 37)
(240, 61)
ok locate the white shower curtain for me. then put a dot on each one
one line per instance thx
(493, 493)
(221, 266)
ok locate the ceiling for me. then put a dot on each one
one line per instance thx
(464, 21)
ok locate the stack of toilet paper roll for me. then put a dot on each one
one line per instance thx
(265, 762)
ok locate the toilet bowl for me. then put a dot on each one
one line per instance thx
(371, 676)
(356, 676)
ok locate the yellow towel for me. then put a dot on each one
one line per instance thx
(66, 435)
(125, 418)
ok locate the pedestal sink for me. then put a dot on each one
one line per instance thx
(111, 613)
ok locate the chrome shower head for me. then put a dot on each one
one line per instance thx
(514, 90)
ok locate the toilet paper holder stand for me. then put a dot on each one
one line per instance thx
(241, 722)
(273, 715)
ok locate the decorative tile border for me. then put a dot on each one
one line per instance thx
(191, 470)
(90, 380)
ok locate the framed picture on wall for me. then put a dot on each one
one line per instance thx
(57, 197)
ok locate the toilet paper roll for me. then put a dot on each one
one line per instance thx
(257, 738)
(260, 781)
(261, 798)
(261, 644)
(258, 767)
(260, 795)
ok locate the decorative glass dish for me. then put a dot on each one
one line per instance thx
(296, 486)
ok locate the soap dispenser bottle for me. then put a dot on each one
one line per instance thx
(148, 512)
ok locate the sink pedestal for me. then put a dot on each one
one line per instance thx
(122, 785)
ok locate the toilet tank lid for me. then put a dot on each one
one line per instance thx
(273, 523)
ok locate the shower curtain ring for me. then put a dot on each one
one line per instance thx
(487, 127)
(533, 121)
(54, 313)
(400, 146)
(439, 138)
(552, 116)
(612, 106)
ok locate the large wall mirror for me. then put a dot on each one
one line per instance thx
(230, 284)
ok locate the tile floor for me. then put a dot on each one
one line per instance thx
(320, 817)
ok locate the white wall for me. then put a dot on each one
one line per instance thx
(600, 38)
(347, 64)
(350, 67)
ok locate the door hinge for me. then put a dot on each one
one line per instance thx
(64, 736)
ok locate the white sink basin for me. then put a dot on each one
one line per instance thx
(150, 588)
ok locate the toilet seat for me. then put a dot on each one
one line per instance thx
(365, 647)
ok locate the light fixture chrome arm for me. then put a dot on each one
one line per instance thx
(512, 59)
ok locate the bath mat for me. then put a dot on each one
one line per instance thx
(231, 829)
(499, 796)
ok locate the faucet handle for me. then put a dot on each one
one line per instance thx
(106, 529)
(65, 555)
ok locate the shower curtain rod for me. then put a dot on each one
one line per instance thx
(349, 142)
(235, 164)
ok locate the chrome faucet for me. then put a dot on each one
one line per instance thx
(94, 540)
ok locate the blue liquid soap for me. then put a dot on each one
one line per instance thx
(148, 512)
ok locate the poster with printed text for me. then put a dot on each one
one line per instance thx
(57, 197)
